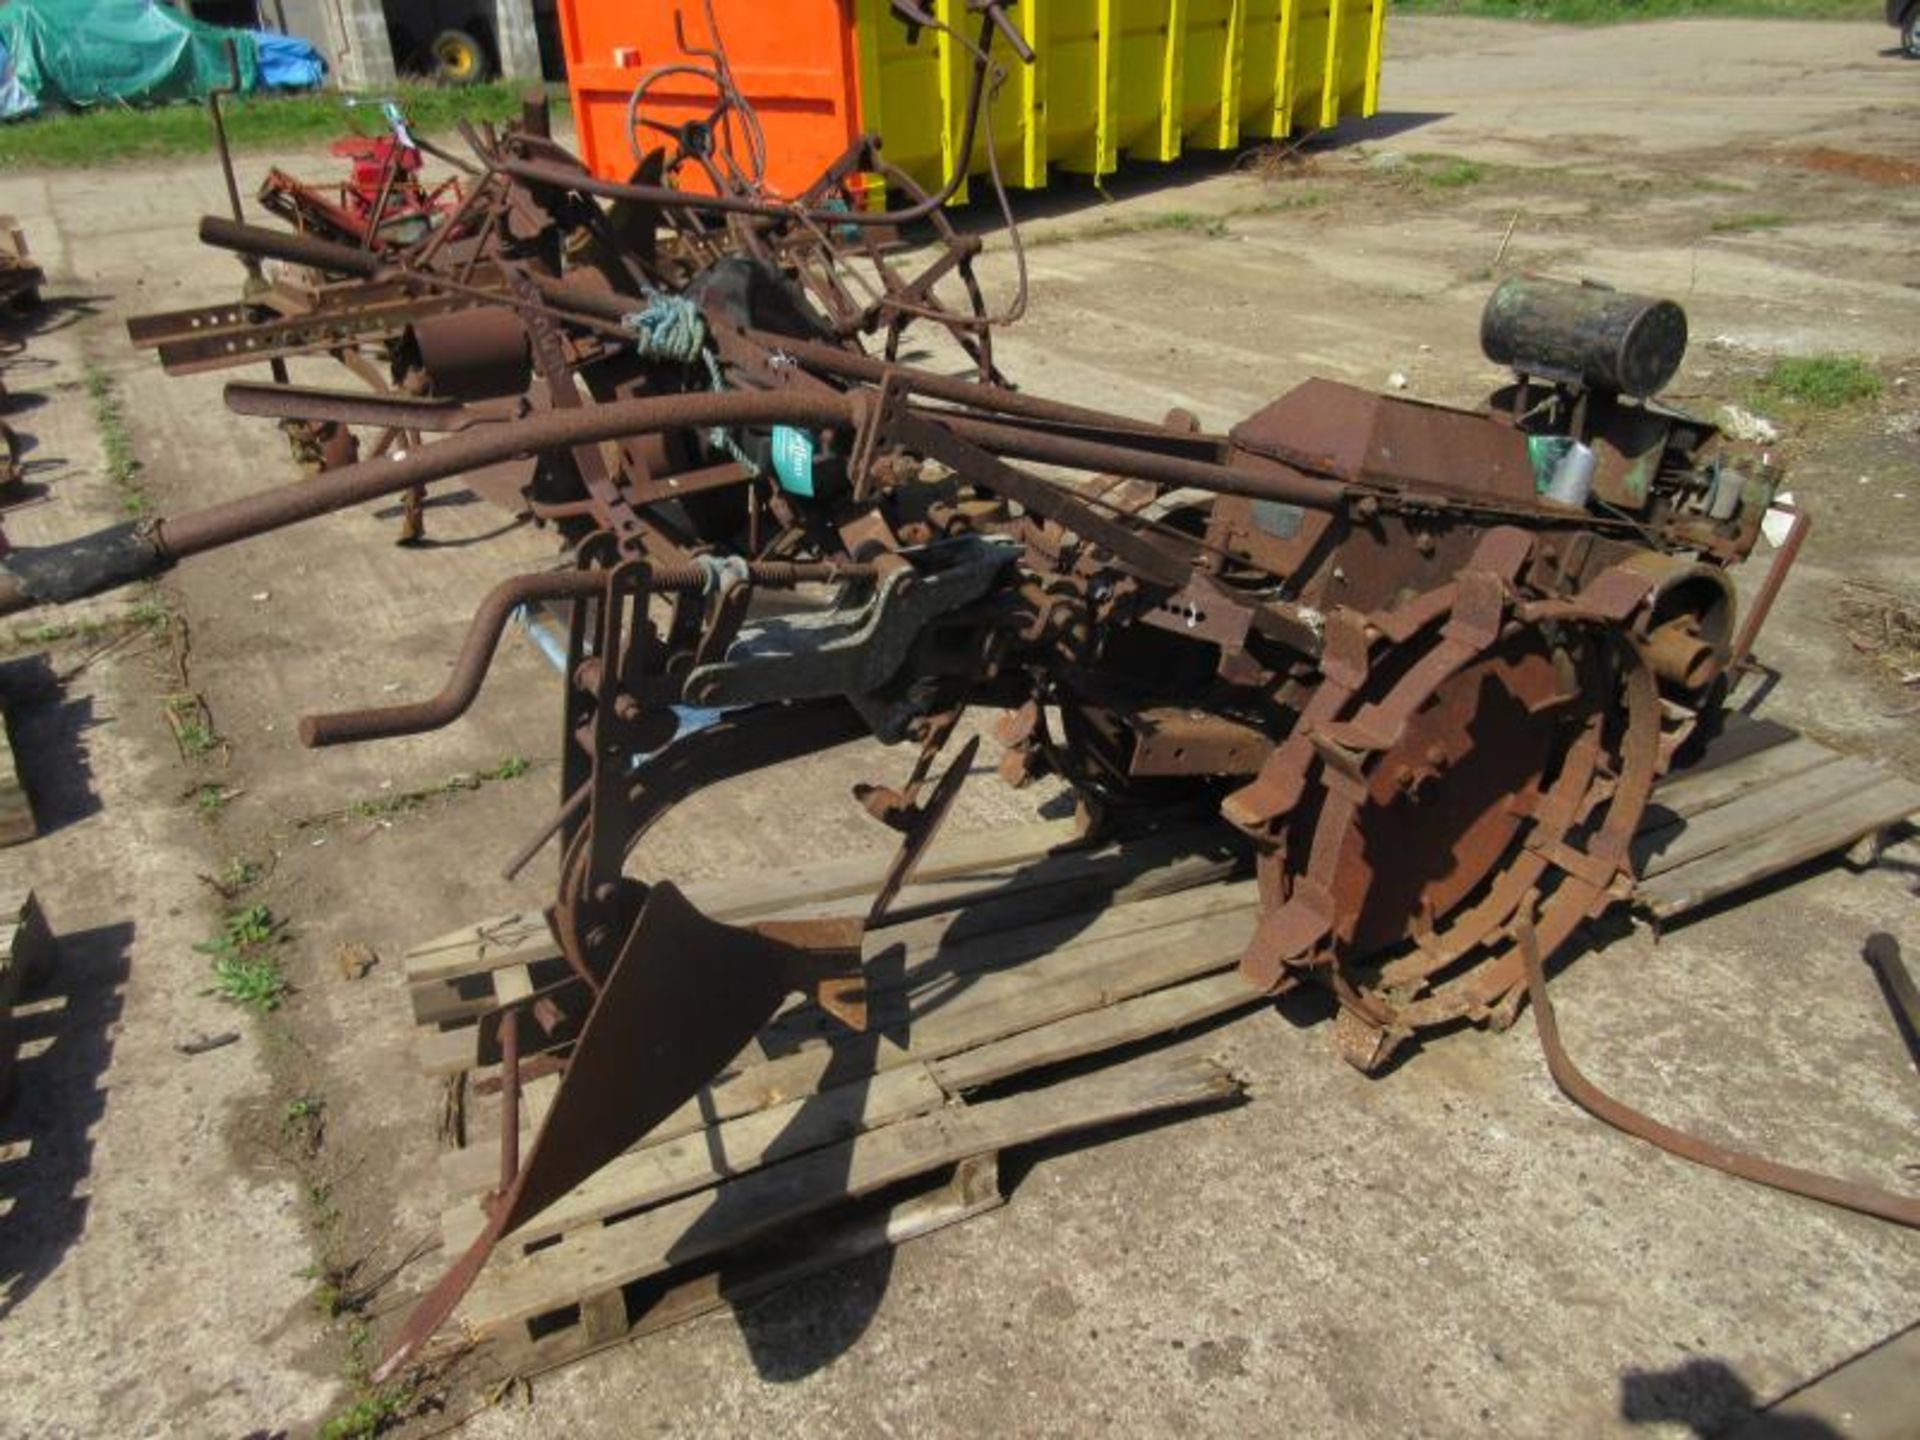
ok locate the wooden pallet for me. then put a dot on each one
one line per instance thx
(1761, 800)
(1000, 962)
(1011, 953)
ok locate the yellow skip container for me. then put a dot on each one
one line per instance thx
(1113, 80)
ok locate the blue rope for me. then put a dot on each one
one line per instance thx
(671, 328)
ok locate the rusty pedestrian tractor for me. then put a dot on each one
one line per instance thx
(1421, 665)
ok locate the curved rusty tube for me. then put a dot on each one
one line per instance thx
(456, 697)
(1852, 1195)
(377, 478)
(344, 727)
(139, 550)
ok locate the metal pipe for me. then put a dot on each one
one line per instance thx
(381, 476)
(214, 97)
(343, 727)
(1282, 483)
(295, 249)
(1770, 587)
(456, 697)
(853, 365)
(354, 407)
(58, 573)
(509, 1099)
(602, 314)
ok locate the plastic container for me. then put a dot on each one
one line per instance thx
(1114, 80)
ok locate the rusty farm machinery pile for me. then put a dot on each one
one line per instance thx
(1381, 688)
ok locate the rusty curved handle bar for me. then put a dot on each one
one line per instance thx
(344, 727)
(120, 554)
(456, 697)
(1827, 1189)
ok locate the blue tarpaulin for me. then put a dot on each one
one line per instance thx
(287, 62)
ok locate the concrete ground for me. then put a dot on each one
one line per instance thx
(1451, 1249)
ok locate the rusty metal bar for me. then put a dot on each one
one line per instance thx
(509, 1099)
(290, 246)
(1770, 587)
(68, 572)
(382, 476)
(456, 697)
(1827, 1189)
(354, 407)
(852, 365)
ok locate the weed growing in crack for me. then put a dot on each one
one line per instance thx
(245, 969)
(123, 466)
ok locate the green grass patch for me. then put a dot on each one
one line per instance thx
(147, 615)
(406, 802)
(1615, 12)
(236, 877)
(1210, 225)
(374, 1411)
(123, 466)
(1818, 382)
(192, 726)
(1455, 175)
(1754, 220)
(88, 138)
(246, 971)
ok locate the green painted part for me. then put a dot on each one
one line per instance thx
(1639, 478)
(793, 460)
(1545, 452)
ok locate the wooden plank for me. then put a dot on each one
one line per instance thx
(665, 1171)
(444, 1052)
(1740, 736)
(522, 937)
(654, 1172)
(1071, 876)
(514, 939)
(589, 1262)
(1047, 989)
(1753, 816)
(777, 890)
(972, 1189)
(1694, 792)
(1124, 1023)
(1831, 826)
(961, 953)
(1111, 877)
(1874, 1395)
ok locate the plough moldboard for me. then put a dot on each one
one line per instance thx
(1417, 669)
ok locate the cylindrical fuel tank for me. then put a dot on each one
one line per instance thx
(1601, 337)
